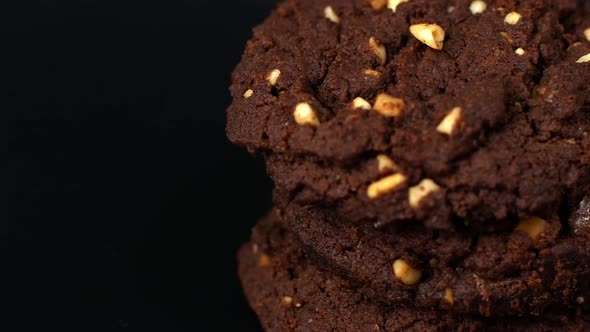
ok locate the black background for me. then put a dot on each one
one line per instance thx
(125, 203)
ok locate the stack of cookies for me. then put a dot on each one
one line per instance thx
(431, 161)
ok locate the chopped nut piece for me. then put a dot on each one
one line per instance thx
(330, 14)
(449, 296)
(392, 4)
(449, 123)
(273, 77)
(450, 9)
(385, 164)
(298, 305)
(512, 18)
(580, 300)
(287, 300)
(420, 191)
(378, 49)
(583, 59)
(264, 260)
(478, 7)
(248, 93)
(385, 185)
(361, 103)
(533, 227)
(373, 73)
(430, 34)
(519, 51)
(506, 37)
(389, 106)
(378, 4)
(406, 273)
(305, 115)
(587, 34)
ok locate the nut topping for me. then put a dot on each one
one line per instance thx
(385, 164)
(372, 72)
(273, 77)
(430, 34)
(420, 191)
(533, 227)
(305, 115)
(385, 185)
(264, 260)
(330, 14)
(248, 93)
(405, 273)
(389, 106)
(360, 103)
(392, 4)
(449, 123)
(378, 49)
(378, 4)
(512, 18)
(449, 297)
(478, 7)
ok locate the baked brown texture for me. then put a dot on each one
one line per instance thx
(519, 147)
(431, 159)
(289, 294)
(492, 274)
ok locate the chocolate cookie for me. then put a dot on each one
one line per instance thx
(290, 294)
(526, 269)
(430, 110)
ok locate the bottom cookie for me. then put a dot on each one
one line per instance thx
(290, 294)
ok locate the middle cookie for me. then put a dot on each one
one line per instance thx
(525, 270)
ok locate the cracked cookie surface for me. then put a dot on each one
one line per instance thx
(497, 118)
(290, 294)
(527, 269)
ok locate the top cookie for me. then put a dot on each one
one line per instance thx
(372, 106)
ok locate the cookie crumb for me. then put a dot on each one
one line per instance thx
(248, 93)
(378, 49)
(450, 9)
(273, 77)
(580, 300)
(385, 164)
(512, 18)
(449, 123)
(519, 51)
(587, 34)
(478, 7)
(430, 34)
(389, 106)
(584, 58)
(420, 191)
(360, 103)
(305, 115)
(405, 273)
(534, 227)
(385, 185)
(287, 300)
(392, 4)
(378, 4)
(330, 14)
